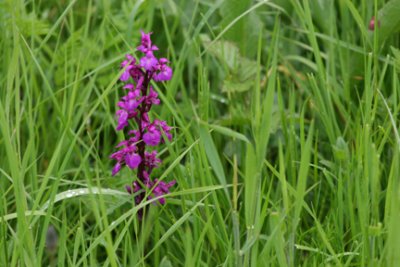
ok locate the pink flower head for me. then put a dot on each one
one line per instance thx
(135, 106)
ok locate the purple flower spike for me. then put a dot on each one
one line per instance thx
(134, 106)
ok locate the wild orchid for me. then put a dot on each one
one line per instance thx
(135, 106)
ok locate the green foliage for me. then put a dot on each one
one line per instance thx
(285, 115)
(389, 19)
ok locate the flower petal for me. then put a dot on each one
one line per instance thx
(133, 160)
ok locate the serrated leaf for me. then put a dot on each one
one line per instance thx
(225, 51)
(236, 87)
(247, 69)
(242, 71)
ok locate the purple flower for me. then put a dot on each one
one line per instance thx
(145, 120)
(152, 137)
(164, 75)
(148, 62)
(133, 160)
(129, 86)
(136, 136)
(122, 119)
(161, 188)
(131, 101)
(127, 155)
(152, 98)
(135, 106)
(129, 189)
(136, 73)
(165, 128)
(128, 64)
(151, 161)
(125, 75)
(146, 45)
(116, 168)
(165, 72)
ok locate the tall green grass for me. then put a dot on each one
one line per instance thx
(286, 143)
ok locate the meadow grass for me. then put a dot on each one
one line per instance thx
(286, 143)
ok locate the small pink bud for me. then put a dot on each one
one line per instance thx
(371, 25)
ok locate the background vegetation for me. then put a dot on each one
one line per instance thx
(286, 148)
